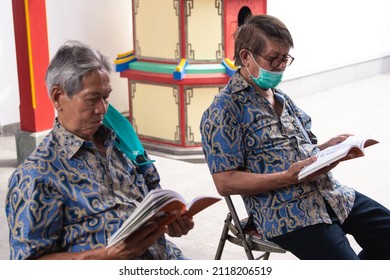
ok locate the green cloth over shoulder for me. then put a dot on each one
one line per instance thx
(127, 140)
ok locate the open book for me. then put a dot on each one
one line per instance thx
(352, 147)
(155, 204)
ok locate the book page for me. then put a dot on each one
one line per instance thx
(156, 201)
(157, 204)
(200, 203)
(350, 148)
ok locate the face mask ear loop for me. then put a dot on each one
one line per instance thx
(258, 76)
(249, 72)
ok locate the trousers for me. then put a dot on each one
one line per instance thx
(368, 223)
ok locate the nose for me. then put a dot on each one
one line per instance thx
(101, 107)
(282, 65)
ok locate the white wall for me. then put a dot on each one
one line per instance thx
(103, 24)
(9, 89)
(327, 34)
(332, 33)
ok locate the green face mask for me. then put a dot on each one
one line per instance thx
(266, 79)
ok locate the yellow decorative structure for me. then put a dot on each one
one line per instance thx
(182, 57)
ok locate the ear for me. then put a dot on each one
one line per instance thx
(56, 95)
(244, 56)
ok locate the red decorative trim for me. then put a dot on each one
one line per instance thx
(156, 61)
(130, 102)
(167, 143)
(189, 79)
(182, 31)
(182, 116)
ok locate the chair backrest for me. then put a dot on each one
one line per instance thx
(242, 232)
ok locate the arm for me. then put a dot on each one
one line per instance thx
(85, 255)
(247, 183)
(223, 138)
(132, 247)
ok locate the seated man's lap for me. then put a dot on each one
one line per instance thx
(318, 242)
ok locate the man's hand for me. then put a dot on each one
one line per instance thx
(181, 226)
(323, 170)
(136, 244)
(335, 140)
(295, 168)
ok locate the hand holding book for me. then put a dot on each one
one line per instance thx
(162, 207)
(350, 148)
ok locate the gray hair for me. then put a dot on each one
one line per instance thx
(253, 35)
(72, 62)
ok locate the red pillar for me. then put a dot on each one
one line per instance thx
(32, 53)
(231, 11)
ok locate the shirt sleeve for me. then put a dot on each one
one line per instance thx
(34, 216)
(222, 135)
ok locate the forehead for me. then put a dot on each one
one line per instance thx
(97, 79)
(276, 45)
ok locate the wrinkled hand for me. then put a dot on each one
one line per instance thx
(335, 140)
(323, 170)
(136, 244)
(181, 226)
(295, 168)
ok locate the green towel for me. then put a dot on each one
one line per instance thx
(127, 140)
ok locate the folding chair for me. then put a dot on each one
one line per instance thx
(242, 233)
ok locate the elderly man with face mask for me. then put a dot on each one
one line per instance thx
(256, 140)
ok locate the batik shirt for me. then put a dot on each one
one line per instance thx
(241, 131)
(69, 197)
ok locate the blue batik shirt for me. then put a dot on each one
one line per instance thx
(241, 131)
(69, 197)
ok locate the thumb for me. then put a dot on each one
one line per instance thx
(309, 160)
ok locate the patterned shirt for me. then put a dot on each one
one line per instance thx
(241, 131)
(69, 197)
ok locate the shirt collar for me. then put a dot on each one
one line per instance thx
(72, 143)
(238, 83)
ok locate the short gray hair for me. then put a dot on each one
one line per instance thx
(73, 61)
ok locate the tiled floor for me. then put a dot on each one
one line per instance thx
(359, 107)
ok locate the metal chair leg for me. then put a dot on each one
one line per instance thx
(224, 234)
(234, 232)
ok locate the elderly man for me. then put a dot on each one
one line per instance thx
(76, 189)
(256, 141)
